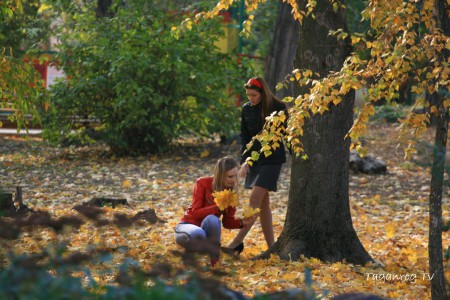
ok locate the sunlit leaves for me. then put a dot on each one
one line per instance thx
(341, 34)
(397, 52)
(271, 137)
(397, 55)
(414, 126)
(247, 26)
(225, 199)
(360, 125)
(297, 13)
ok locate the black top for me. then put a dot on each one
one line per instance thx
(252, 124)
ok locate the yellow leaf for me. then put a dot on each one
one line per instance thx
(189, 23)
(204, 154)
(335, 6)
(307, 73)
(44, 7)
(290, 276)
(336, 100)
(225, 199)
(411, 254)
(126, 184)
(255, 155)
(265, 148)
(433, 109)
(282, 116)
(279, 86)
(390, 230)
(355, 39)
(250, 211)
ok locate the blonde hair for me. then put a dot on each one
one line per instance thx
(222, 166)
(268, 99)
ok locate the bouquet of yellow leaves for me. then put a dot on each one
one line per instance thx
(225, 198)
(250, 211)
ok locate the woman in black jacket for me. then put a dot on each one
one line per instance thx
(263, 175)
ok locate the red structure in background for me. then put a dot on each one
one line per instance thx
(41, 67)
(46, 66)
(41, 64)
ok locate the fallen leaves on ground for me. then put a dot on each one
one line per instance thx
(389, 212)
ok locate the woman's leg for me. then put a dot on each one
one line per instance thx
(190, 237)
(212, 227)
(266, 221)
(259, 198)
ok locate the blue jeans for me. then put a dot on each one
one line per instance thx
(205, 238)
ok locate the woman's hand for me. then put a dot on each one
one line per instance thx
(224, 211)
(243, 171)
(249, 221)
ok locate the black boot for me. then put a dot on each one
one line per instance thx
(233, 251)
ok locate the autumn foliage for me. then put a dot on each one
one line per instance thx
(225, 199)
(389, 213)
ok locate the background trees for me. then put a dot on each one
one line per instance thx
(23, 26)
(21, 89)
(144, 83)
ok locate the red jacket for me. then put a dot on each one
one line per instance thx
(203, 205)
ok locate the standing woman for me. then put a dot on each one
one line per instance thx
(263, 175)
(200, 228)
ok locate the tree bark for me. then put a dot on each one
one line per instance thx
(280, 60)
(318, 220)
(104, 9)
(438, 289)
(437, 275)
(6, 201)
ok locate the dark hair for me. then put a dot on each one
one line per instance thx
(268, 99)
(222, 166)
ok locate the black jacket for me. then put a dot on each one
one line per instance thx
(252, 124)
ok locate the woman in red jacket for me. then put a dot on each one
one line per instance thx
(200, 228)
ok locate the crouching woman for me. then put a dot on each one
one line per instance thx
(200, 226)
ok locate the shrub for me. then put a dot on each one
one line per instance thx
(144, 86)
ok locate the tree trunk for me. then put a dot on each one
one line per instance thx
(435, 224)
(318, 221)
(104, 9)
(280, 60)
(6, 201)
(438, 288)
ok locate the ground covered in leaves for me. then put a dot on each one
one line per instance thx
(390, 214)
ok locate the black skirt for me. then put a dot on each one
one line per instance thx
(265, 176)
